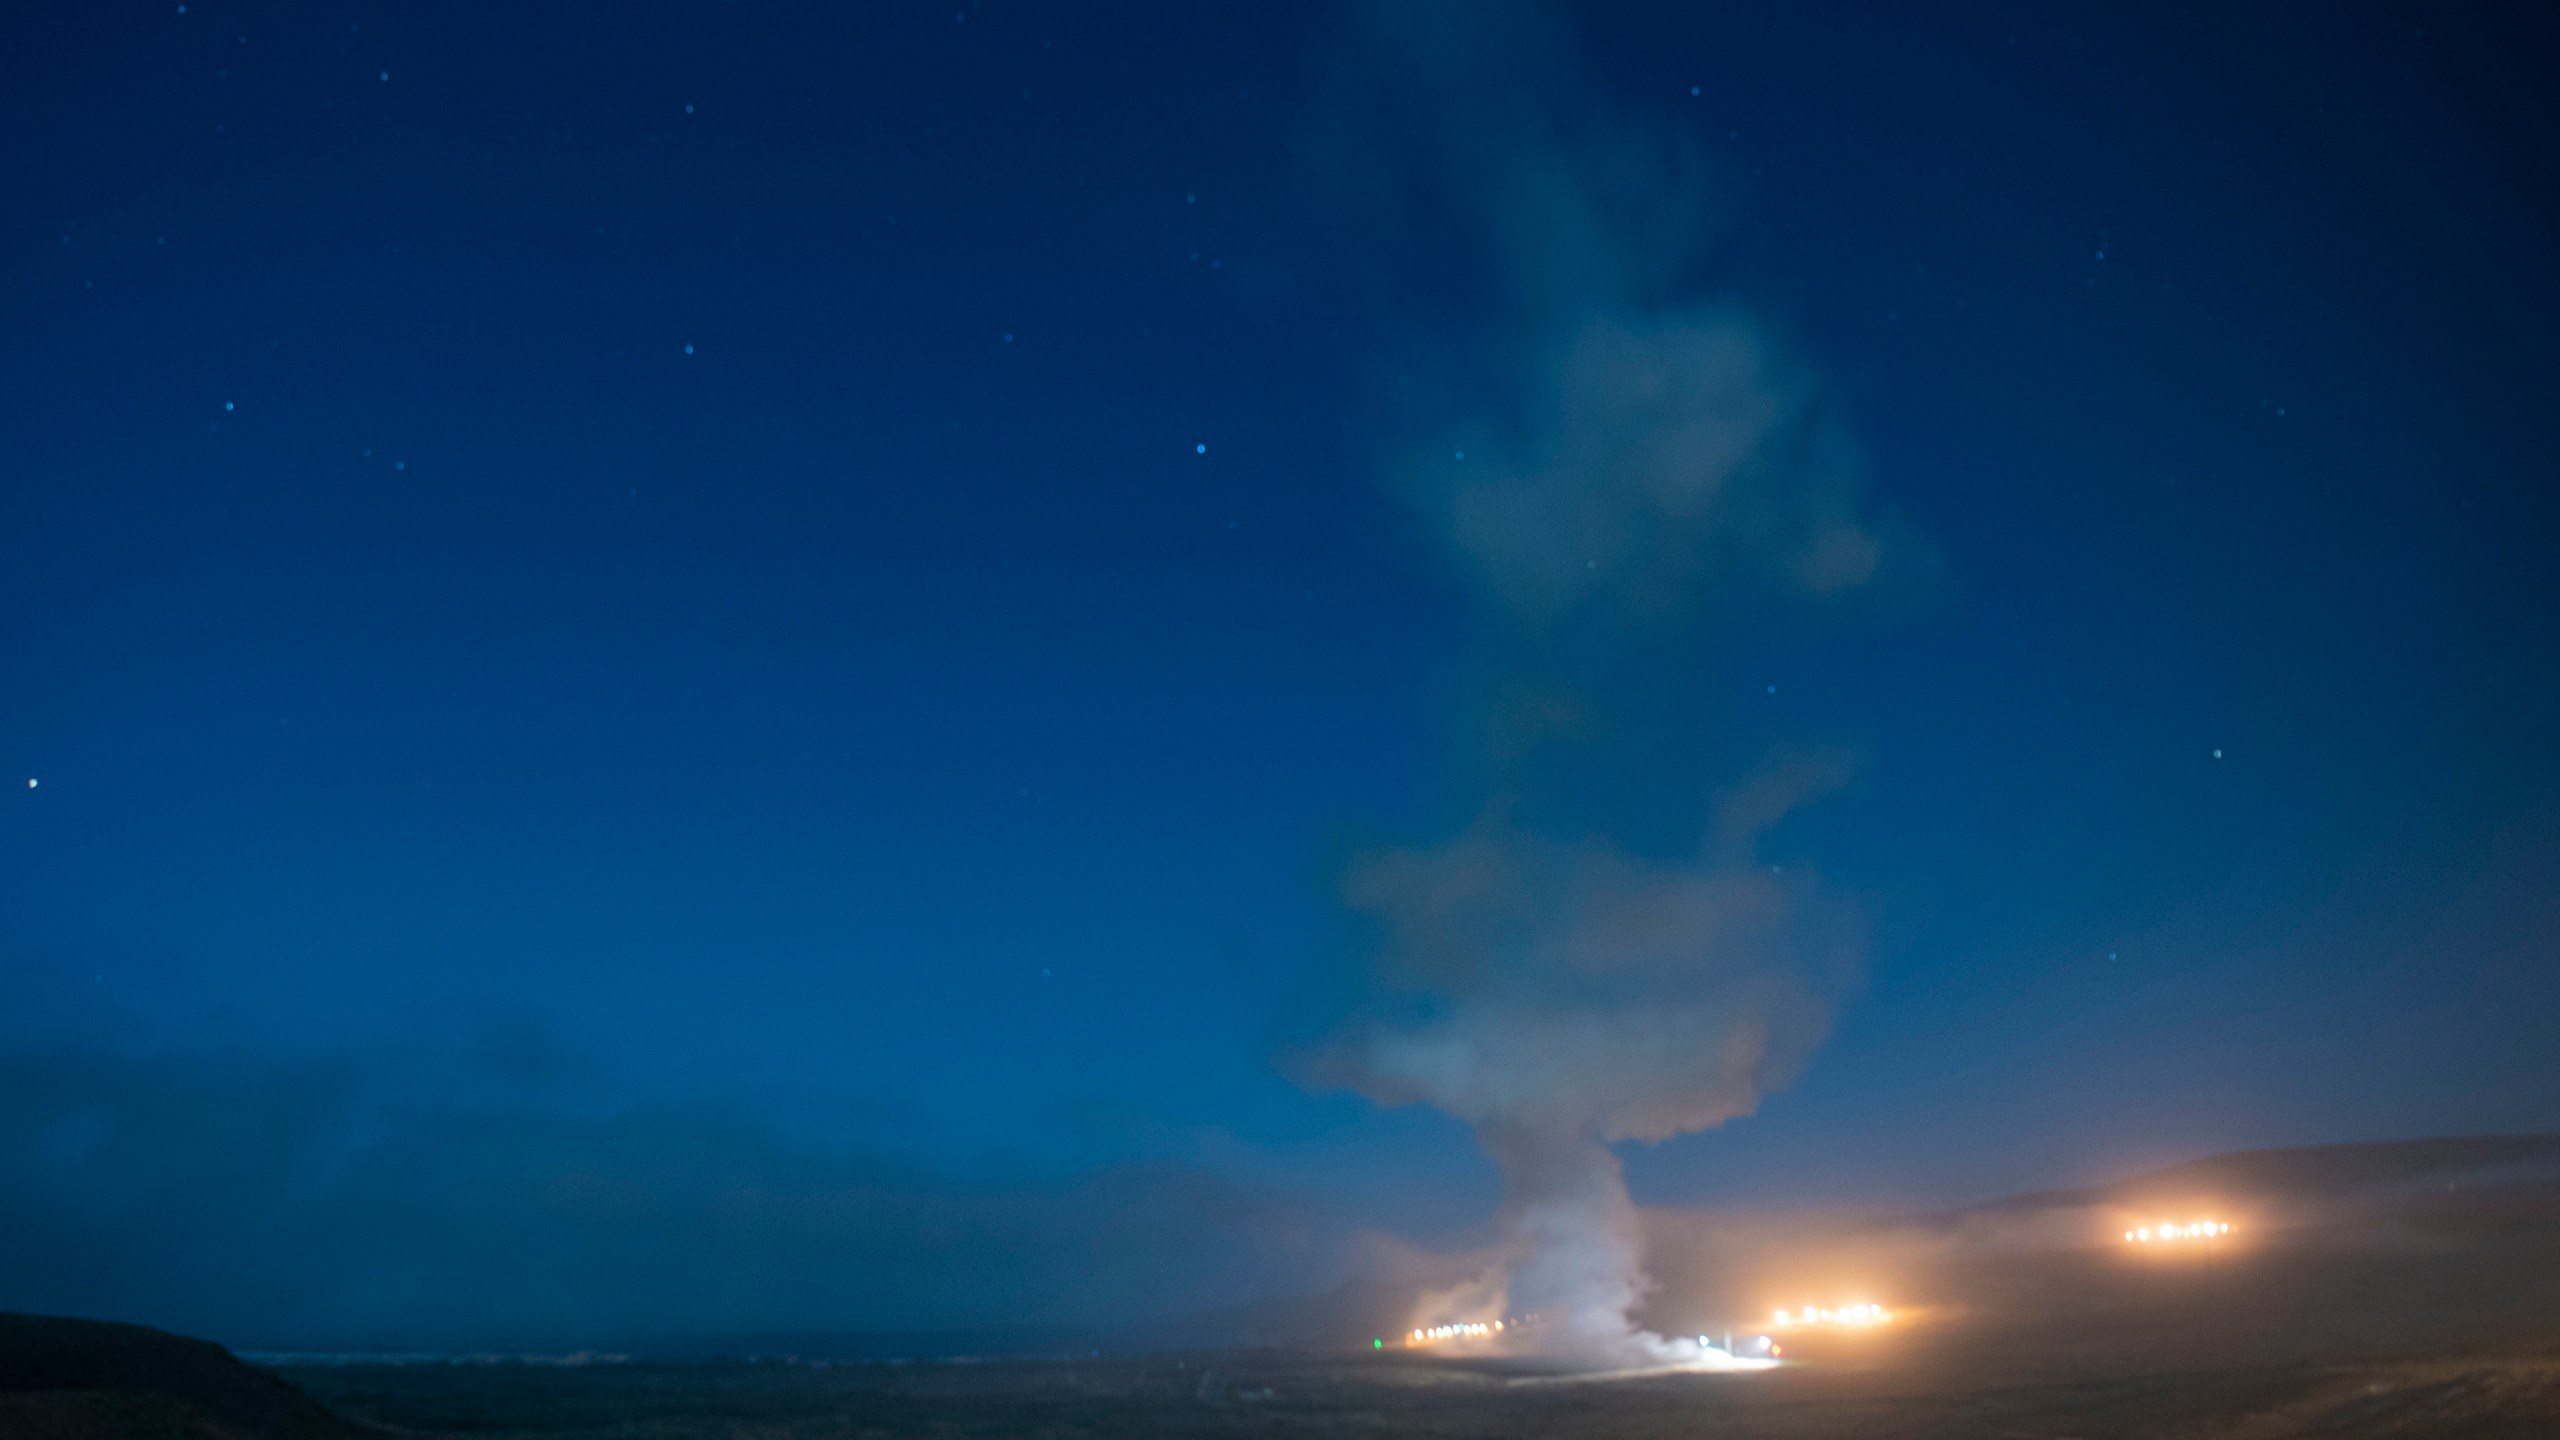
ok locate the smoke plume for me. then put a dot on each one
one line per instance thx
(1629, 475)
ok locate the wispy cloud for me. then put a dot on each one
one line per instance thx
(297, 1205)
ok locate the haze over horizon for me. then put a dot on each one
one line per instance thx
(685, 672)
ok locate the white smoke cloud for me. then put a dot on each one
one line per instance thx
(1626, 474)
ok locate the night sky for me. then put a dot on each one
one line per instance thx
(693, 671)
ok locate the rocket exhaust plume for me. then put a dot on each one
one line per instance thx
(1628, 478)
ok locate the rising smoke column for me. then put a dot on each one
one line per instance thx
(1629, 476)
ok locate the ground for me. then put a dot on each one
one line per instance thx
(1304, 1396)
(2366, 1292)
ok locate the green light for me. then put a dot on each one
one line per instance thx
(1377, 1344)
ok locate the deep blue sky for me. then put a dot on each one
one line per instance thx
(653, 567)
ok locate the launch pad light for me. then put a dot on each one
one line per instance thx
(2168, 1234)
(1850, 1317)
(1433, 1333)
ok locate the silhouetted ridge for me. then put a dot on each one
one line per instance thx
(64, 1379)
(2322, 1171)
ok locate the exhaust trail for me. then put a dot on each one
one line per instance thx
(1630, 477)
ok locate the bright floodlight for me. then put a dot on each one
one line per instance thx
(1856, 1316)
(2194, 1230)
(1458, 1330)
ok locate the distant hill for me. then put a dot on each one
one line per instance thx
(2322, 1172)
(90, 1380)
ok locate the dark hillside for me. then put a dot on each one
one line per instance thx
(2325, 1172)
(64, 1379)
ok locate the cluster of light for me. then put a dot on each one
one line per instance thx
(2201, 1230)
(1452, 1332)
(1852, 1316)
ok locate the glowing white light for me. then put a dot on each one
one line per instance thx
(1859, 1315)
(2193, 1230)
